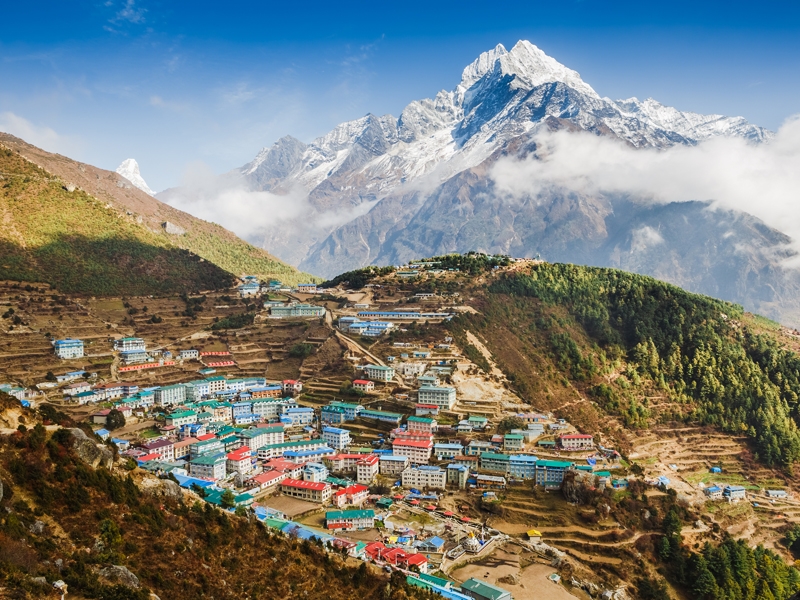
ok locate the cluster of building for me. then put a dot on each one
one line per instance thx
(251, 286)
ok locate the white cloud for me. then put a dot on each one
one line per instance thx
(763, 180)
(130, 13)
(251, 214)
(39, 135)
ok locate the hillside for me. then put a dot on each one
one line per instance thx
(145, 217)
(644, 351)
(109, 535)
(74, 242)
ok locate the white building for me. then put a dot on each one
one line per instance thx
(443, 397)
(170, 395)
(336, 438)
(393, 464)
(128, 344)
(576, 441)
(417, 451)
(257, 437)
(367, 468)
(379, 373)
(68, 348)
(424, 477)
(209, 466)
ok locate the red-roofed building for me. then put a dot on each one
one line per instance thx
(576, 441)
(417, 451)
(427, 410)
(367, 468)
(307, 490)
(375, 551)
(400, 558)
(291, 469)
(402, 434)
(266, 481)
(292, 387)
(362, 385)
(100, 416)
(148, 457)
(353, 494)
(207, 436)
(341, 463)
(240, 461)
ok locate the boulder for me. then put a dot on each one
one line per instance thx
(510, 579)
(162, 488)
(37, 528)
(173, 229)
(121, 575)
(90, 452)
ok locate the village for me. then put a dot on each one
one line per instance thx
(392, 469)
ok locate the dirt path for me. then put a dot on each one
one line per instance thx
(486, 354)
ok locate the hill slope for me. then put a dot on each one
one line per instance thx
(589, 343)
(94, 528)
(149, 216)
(76, 243)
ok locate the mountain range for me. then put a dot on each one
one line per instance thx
(385, 189)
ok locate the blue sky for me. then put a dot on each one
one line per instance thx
(175, 83)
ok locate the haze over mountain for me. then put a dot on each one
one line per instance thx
(509, 162)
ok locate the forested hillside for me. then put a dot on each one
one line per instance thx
(620, 337)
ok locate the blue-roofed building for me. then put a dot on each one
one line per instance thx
(447, 451)
(713, 492)
(336, 438)
(734, 493)
(304, 456)
(103, 434)
(457, 475)
(522, 466)
(68, 348)
(298, 417)
(434, 544)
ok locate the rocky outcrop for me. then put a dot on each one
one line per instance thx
(162, 488)
(90, 452)
(173, 229)
(121, 575)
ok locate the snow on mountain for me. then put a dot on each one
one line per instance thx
(381, 189)
(129, 169)
(501, 95)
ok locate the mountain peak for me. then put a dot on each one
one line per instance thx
(533, 67)
(481, 65)
(129, 169)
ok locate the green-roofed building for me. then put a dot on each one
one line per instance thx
(380, 415)
(550, 473)
(495, 462)
(483, 590)
(350, 520)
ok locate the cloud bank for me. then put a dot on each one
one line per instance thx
(252, 215)
(42, 136)
(763, 180)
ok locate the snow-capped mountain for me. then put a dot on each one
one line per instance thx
(384, 190)
(501, 95)
(129, 169)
